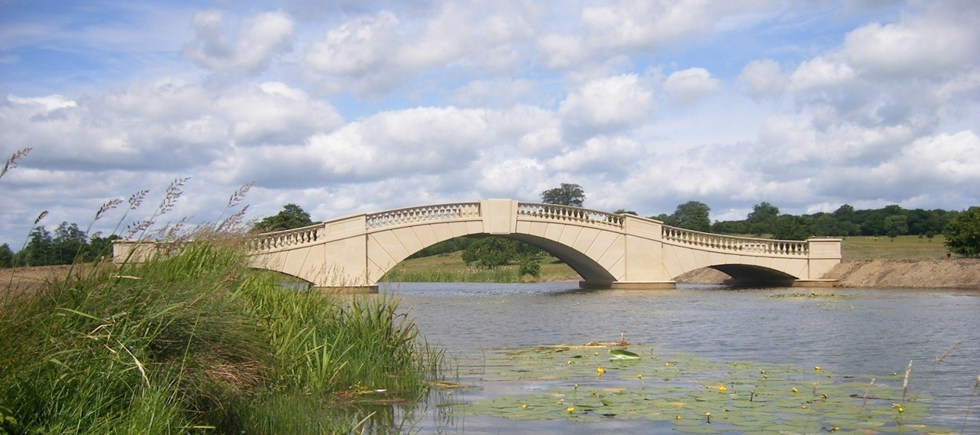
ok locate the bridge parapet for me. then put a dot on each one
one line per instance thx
(561, 213)
(429, 213)
(287, 238)
(733, 244)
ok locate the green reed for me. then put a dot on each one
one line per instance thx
(197, 341)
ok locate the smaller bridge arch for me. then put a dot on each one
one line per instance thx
(608, 250)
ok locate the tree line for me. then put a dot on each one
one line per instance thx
(66, 245)
(765, 220)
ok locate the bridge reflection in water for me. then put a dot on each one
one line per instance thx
(607, 250)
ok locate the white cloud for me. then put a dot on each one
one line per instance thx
(821, 73)
(355, 47)
(606, 105)
(764, 78)
(607, 29)
(500, 92)
(249, 48)
(373, 54)
(941, 39)
(609, 155)
(689, 85)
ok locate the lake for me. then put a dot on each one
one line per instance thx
(694, 340)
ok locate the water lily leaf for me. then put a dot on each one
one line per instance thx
(756, 397)
(622, 355)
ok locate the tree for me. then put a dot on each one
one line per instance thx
(963, 233)
(69, 242)
(567, 194)
(291, 216)
(490, 252)
(38, 251)
(6, 256)
(895, 226)
(692, 215)
(762, 219)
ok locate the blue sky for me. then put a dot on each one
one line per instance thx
(357, 106)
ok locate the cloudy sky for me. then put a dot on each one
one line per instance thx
(350, 106)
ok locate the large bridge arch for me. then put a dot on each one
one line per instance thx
(608, 250)
(577, 240)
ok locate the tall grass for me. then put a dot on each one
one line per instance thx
(198, 341)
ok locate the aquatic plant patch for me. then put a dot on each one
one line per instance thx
(694, 395)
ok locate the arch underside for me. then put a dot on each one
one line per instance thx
(590, 270)
(747, 274)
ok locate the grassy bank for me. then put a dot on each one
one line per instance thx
(199, 342)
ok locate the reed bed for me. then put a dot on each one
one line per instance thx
(197, 341)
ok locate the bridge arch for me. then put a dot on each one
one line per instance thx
(607, 250)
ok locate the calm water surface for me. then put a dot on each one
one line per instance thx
(861, 332)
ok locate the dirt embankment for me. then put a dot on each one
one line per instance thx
(945, 273)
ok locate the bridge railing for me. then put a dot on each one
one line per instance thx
(286, 238)
(564, 213)
(428, 213)
(741, 245)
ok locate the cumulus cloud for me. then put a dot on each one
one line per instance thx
(606, 105)
(609, 155)
(374, 53)
(248, 49)
(689, 85)
(606, 29)
(764, 78)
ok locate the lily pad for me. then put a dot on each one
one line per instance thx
(743, 396)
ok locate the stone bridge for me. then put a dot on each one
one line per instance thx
(607, 250)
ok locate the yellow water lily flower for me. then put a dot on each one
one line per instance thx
(523, 406)
(795, 390)
(570, 409)
(599, 371)
(722, 389)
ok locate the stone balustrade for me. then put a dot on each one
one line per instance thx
(742, 245)
(286, 238)
(429, 213)
(561, 213)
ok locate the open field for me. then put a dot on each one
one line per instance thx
(901, 248)
(450, 267)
